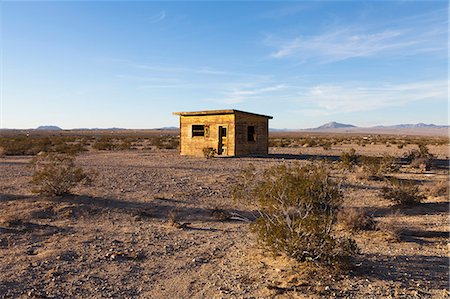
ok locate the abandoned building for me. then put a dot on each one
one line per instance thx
(229, 132)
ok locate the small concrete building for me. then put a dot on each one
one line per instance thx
(229, 132)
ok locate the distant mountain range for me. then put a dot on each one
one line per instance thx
(336, 125)
(412, 126)
(331, 126)
(49, 128)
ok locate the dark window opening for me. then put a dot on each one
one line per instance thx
(198, 130)
(223, 131)
(251, 135)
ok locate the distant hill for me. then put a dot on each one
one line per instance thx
(413, 126)
(334, 125)
(49, 128)
(167, 128)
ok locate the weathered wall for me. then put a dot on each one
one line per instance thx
(193, 146)
(245, 147)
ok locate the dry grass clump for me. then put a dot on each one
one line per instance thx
(56, 174)
(350, 159)
(209, 152)
(165, 142)
(297, 210)
(441, 188)
(27, 145)
(420, 158)
(375, 168)
(355, 219)
(391, 225)
(402, 193)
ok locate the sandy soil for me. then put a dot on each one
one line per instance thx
(113, 239)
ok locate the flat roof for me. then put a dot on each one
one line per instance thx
(218, 112)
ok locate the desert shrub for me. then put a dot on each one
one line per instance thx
(402, 193)
(209, 152)
(170, 143)
(297, 210)
(27, 145)
(355, 219)
(326, 145)
(441, 188)
(124, 145)
(56, 174)
(350, 159)
(104, 144)
(71, 149)
(165, 142)
(391, 226)
(375, 168)
(420, 158)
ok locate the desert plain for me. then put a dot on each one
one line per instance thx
(154, 224)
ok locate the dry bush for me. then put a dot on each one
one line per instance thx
(420, 158)
(391, 226)
(209, 152)
(297, 210)
(355, 219)
(104, 144)
(165, 142)
(441, 188)
(402, 193)
(56, 174)
(350, 159)
(28, 145)
(375, 168)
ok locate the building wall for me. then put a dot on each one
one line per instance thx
(261, 145)
(193, 146)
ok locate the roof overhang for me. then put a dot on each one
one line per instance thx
(218, 112)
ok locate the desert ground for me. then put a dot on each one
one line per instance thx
(116, 237)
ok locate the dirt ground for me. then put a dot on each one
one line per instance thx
(113, 240)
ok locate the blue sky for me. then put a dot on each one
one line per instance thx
(131, 64)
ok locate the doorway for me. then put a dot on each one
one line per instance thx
(222, 149)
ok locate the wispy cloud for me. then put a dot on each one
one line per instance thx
(321, 100)
(239, 95)
(362, 40)
(157, 17)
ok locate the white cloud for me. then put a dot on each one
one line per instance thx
(400, 38)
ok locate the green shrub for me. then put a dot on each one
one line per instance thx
(402, 193)
(297, 208)
(56, 174)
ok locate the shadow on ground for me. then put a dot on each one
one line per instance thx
(409, 270)
(428, 208)
(158, 208)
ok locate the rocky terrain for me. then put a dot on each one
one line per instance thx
(157, 225)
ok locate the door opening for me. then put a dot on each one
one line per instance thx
(222, 148)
